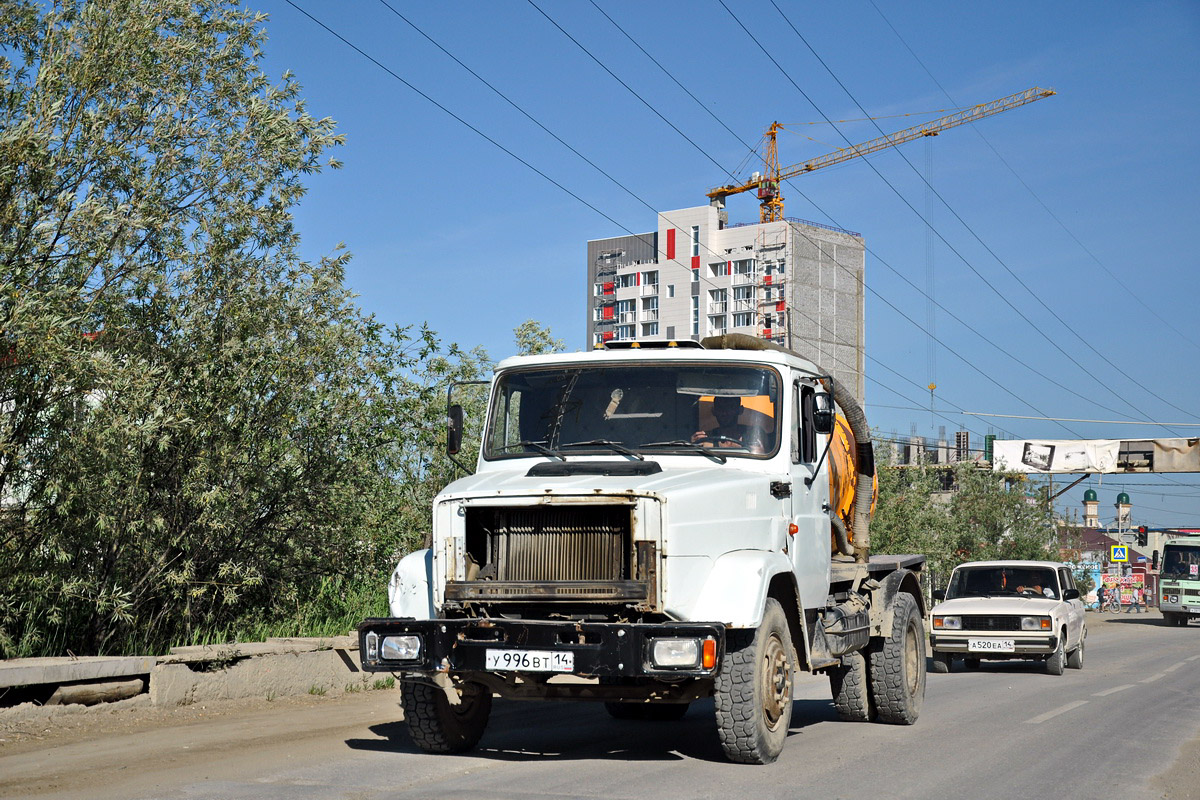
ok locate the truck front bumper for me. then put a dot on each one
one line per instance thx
(599, 650)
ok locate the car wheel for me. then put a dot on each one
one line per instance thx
(942, 662)
(1057, 659)
(1075, 657)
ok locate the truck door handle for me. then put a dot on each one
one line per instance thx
(781, 489)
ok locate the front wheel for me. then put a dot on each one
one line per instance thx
(897, 665)
(1056, 661)
(1075, 657)
(942, 662)
(753, 696)
(435, 725)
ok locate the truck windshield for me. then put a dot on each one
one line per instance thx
(996, 581)
(1181, 562)
(668, 408)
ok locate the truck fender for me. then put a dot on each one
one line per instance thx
(736, 589)
(883, 599)
(410, 589)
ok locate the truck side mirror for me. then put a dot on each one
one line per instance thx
(1154, 563)
(823, 413)
(454, 429)
(939, 594)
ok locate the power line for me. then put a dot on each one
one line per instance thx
(1097, 421)
(964, 223)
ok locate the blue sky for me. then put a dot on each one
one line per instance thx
(1066, 242)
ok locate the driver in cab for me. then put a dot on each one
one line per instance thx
(729, 431)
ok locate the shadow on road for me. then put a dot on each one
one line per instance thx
(538, 731)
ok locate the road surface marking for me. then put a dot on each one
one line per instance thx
(1056, 712)
(1153, 677)
(1114, 690)
(1174, 667)
(1193, 658)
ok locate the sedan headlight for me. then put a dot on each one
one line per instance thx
(401, 648)
(1035, 623)
(947, 623)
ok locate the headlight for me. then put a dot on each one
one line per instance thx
(1174, 598)
(401, 648)
(947, 623)
(675, 653)
(1035, 623)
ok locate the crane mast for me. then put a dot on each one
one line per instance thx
(767, 184)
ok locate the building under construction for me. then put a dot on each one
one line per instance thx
(793, 282)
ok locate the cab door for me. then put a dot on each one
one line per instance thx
(810, 546)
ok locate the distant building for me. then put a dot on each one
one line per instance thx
(793, 282)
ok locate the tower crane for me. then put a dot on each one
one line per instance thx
(767, 182)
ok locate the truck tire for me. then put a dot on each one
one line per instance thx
(897, 665)
(653, 712)
(1057, 659)
(1171, 618)
(753, 696)
(438, 727)
(848, 683)
(942, 662)
(1075, 657)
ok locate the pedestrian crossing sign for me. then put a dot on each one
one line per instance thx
(1119, 553)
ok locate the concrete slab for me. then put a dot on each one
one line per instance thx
(33, 671)
(272, 647)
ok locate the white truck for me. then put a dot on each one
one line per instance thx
(648, 526)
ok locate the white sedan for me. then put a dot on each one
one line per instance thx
(1009, 610)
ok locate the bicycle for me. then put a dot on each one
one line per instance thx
(1112, 602)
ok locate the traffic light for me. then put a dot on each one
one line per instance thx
(1141, 536)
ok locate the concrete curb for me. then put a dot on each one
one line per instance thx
(274, 668)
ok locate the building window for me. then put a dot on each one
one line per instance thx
(625, 331)
(718, 300)
(627, 280)
(719, 269)
(716, 324)
(650, 329)
(670, 290)
(743, 320)
(650, 279)
(627, 310)
(695, 240)
(695, 315)
(744, 266)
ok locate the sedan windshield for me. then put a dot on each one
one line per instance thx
(997, 581)
(627, 409)
(1181, 561)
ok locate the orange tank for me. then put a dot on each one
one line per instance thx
(843, 476)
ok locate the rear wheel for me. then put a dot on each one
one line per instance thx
(435, 725)
(753, 696)
(897, 665)
(848, 683)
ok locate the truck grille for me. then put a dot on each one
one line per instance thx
(560, 544)
(985, 622)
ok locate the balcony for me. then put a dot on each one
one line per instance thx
(744, 279)
(719, 307)
(627, 316)
(649, 315)
(743, 305)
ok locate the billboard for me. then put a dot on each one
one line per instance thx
(1047, 456)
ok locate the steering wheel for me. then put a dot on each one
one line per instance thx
(718, 439)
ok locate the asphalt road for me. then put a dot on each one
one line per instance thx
(1127, 725)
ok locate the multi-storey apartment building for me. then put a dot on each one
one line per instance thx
(793, 282)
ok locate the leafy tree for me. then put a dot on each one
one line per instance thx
(201, 432)
(959, 514)
(534, 339)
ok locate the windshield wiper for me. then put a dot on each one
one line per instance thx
(539, 446)
(692, 446)
(614, 446)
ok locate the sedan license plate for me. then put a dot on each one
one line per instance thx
(990, 645)
(530, 660)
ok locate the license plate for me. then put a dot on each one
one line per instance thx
(990, 645)
(530, 660)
